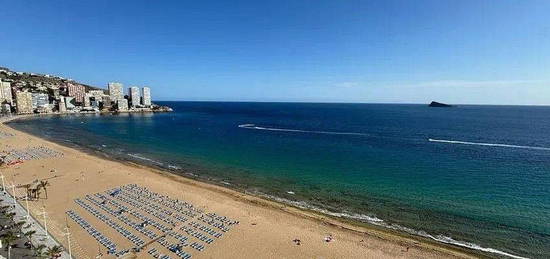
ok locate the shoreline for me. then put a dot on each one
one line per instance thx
(397, 240)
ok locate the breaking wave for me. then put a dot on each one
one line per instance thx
(254, 127)
(379, 222)
(145, 159)
(486, 144)
(168, 166)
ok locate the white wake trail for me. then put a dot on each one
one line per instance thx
(486, 144)
(254, 127)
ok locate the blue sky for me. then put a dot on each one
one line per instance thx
(482, 51)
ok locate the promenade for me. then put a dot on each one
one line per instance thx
(41, 237)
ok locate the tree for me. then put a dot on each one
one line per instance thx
(29, 235)
(5, 209)
(54, 252)
(37, 193)
(43, 185)
(39, 250)
(8, 238)
(29, 191)
(19, 226)
(11, 215)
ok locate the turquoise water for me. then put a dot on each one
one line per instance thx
(482, 181)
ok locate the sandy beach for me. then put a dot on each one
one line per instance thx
(266, 229)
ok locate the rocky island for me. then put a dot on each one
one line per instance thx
(440, 105)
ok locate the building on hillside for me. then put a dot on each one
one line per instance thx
(5, 93)
(77, 91)
(24, 102)
(133, 94)
(70, 103)
(94, 104)
(40, 100)
(106, 104)
(122, 104)
(146, 96)
(87, 100)
(116, 91)
(62, 107)
(54, 92)
(98, 95)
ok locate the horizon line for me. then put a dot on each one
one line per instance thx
(344, 102)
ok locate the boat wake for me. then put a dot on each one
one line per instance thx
(486, 144)
(254, 127)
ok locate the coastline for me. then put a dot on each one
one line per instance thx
(279, 220)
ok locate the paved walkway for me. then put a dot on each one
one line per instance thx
(21, 214)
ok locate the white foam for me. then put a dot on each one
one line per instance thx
(379, 222)
(254, 127)
(486, 144)
(448, 240)
(145, 158)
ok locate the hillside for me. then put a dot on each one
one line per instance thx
(38, 82)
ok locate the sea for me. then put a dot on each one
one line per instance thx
(472, 176)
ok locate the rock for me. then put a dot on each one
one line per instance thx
(437, 104)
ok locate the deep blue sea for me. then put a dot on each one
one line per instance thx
(475, 176)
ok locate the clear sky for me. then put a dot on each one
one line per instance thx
(456, 51)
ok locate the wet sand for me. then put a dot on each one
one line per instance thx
(266, 230)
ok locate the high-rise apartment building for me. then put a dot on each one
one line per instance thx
(24, 102)
(133, 93)
(77, 91)
(116, 91)
(97, 95)
(93, 96)
(146, 96)
(5, 93)
(122, 104)
(39, 100)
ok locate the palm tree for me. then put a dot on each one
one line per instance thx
(29, 192)
(5, 208)
(37, 193)
(29, 235)
(8, 238)
(11, 215)
(43, 184)
(54, 252)
(39, 250)
(19, 226)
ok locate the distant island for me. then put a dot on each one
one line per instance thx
(437, 104)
